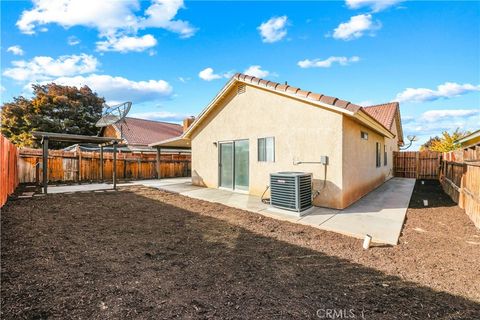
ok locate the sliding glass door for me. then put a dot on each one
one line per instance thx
(226, 165)
(233, 162)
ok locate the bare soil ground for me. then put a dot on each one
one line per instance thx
(144, 253)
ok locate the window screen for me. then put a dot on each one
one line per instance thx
(384, 155)
(266, 149)
(378, 155)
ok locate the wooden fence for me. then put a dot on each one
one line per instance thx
(81, 166)
(458, 172)
(460, 178)
(8, 169)
(417, 164)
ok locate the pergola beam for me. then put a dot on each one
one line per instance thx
(66, 137)
(45, 164)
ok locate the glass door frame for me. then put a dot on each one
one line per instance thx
(233, 165)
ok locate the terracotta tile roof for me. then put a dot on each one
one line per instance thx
(143, 132)
(383, 113)
(300, 93)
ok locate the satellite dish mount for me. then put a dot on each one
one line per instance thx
(114, 114)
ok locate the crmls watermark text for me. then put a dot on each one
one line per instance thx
(339, 314)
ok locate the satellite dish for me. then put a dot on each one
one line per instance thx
(113, 114)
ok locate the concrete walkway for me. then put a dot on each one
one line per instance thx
(87, 187)
(380, 213)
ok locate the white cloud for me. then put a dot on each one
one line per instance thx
(274, 29)
(73, 41)
(184, 79)
(127, 43)
(375, 5)
(119, 88)
(356, 27)
(436, 115)
(43, 67)
(446, 91)
(208, 74)
(106, 16)
(2, 89)
(158, 115)
(433, 122)
(327, 63)
(161, 14)
(112, 19)
(256, 71)
(16, 50)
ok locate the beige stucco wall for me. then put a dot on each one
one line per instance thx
(360, 174)
(302, 133)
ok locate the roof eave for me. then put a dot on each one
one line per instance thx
(471, 136)
(373, 124)
(180, 142)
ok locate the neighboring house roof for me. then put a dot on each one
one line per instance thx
(144, 132)
(470, 140)
(386, 113)
(321, 100)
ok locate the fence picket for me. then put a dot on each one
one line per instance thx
(8, 169)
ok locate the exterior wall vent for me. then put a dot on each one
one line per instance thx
(291, 191)
(241, 88)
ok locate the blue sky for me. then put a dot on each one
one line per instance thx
(170, 58)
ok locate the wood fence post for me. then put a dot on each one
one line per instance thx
(417, 164)
(101, 163)
(114, 172)
(124, 166)
(463, 182)
(139, 169)
(79, 164)
(37, 171)
(158, 162)
(45, 164)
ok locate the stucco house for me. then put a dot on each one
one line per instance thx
(254, 127)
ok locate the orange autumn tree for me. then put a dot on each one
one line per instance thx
(445, 143)
(52, 108)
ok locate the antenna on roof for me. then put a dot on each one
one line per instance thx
(114, 114)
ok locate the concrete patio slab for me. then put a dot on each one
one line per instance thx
(380, 213)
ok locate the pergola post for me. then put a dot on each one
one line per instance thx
(45, 164)
(159, 153)
(114, 173)
(101, 163)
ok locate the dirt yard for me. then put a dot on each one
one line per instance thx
(144, 253)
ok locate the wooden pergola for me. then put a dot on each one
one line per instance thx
(74, 138)
(177, 143)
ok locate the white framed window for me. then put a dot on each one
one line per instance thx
(364, 135)
(266, 149)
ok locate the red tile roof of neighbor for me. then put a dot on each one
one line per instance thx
(143, 132)
(382, 113)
